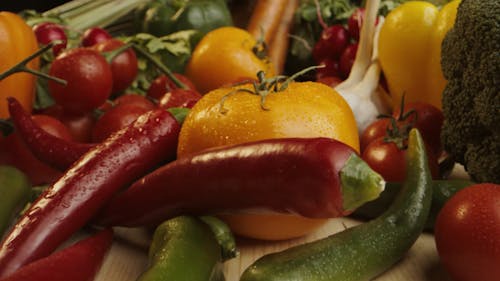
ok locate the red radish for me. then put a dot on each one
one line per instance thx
(347, 59)
(49, 32)
(94, 35)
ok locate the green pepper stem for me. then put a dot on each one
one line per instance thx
(359, 183)
(160, 66)
(22, 67)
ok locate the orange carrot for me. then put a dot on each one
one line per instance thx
(279, 45)
(266, 18)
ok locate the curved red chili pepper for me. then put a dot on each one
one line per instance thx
(54, 151)
(77, 262)
(285, 175)
(78, 195)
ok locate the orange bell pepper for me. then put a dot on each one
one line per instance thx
(17, 41)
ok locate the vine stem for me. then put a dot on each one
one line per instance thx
(22, 67)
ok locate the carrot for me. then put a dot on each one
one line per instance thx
(266, 18)
(278, 47)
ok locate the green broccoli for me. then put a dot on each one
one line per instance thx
(471, 103)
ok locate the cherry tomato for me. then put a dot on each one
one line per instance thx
(135, 99)
(88, 76)
(428, 119)
(332, 42)
(115, 119)
(467, 233)
(48, 32)
(79, 125)
(123, 66)
(347, 59)
(386, 158)
(162, 84)
(94, 35)
(179, 98)
(374, 131)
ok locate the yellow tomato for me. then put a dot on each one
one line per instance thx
(17, 41)
(225, 55)
(303, 109)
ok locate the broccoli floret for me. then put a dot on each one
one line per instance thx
(471, 103)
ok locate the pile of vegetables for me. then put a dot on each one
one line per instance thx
(181, 117)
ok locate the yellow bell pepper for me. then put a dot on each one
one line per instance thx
(17, 41)
(410, 50)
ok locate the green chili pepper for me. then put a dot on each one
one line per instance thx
(163, 17)
(186, 248)
(364, 251)
(14, 194)
(442, 190)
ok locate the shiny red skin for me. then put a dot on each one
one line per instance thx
(332, 42)
(162, 85)
(52, 150)
(263, 174)
(67, 205)
(124, 66)
(390, 162)
(94, 35)
(179, 98)
(48, 32)
(375, 130)
(331, 68)
(135, 99)
(467, 233)
(116, 118)
(79, 125)
(429, 120)
(78, 262)
(347, 60)
(88, 76)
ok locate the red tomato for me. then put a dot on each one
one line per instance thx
(135, 99)
(79, 125)
(374, 131)
(428, 119)
(88, 77)
(162, 84)
(390, 161)
(47, 32)
(179, 98)
(123, 66)
(467, 234)
(115, 119)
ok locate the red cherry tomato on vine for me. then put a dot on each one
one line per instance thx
(94, 35)
(162, 84)
(428, 120)
(123, 67)
(88, 76)
(135, 99)
(375, 130)
(48, 32)
(386, 158)
(467, 233)
(115, 119)
(79, 125)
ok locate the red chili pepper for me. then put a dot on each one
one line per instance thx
(77, 262)
(78, 195)
(317, 177)
(49, 149)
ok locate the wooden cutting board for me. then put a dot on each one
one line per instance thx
(128, 255)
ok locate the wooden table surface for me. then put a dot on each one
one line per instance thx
(128, 255)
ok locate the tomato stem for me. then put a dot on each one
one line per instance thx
(22, 66)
